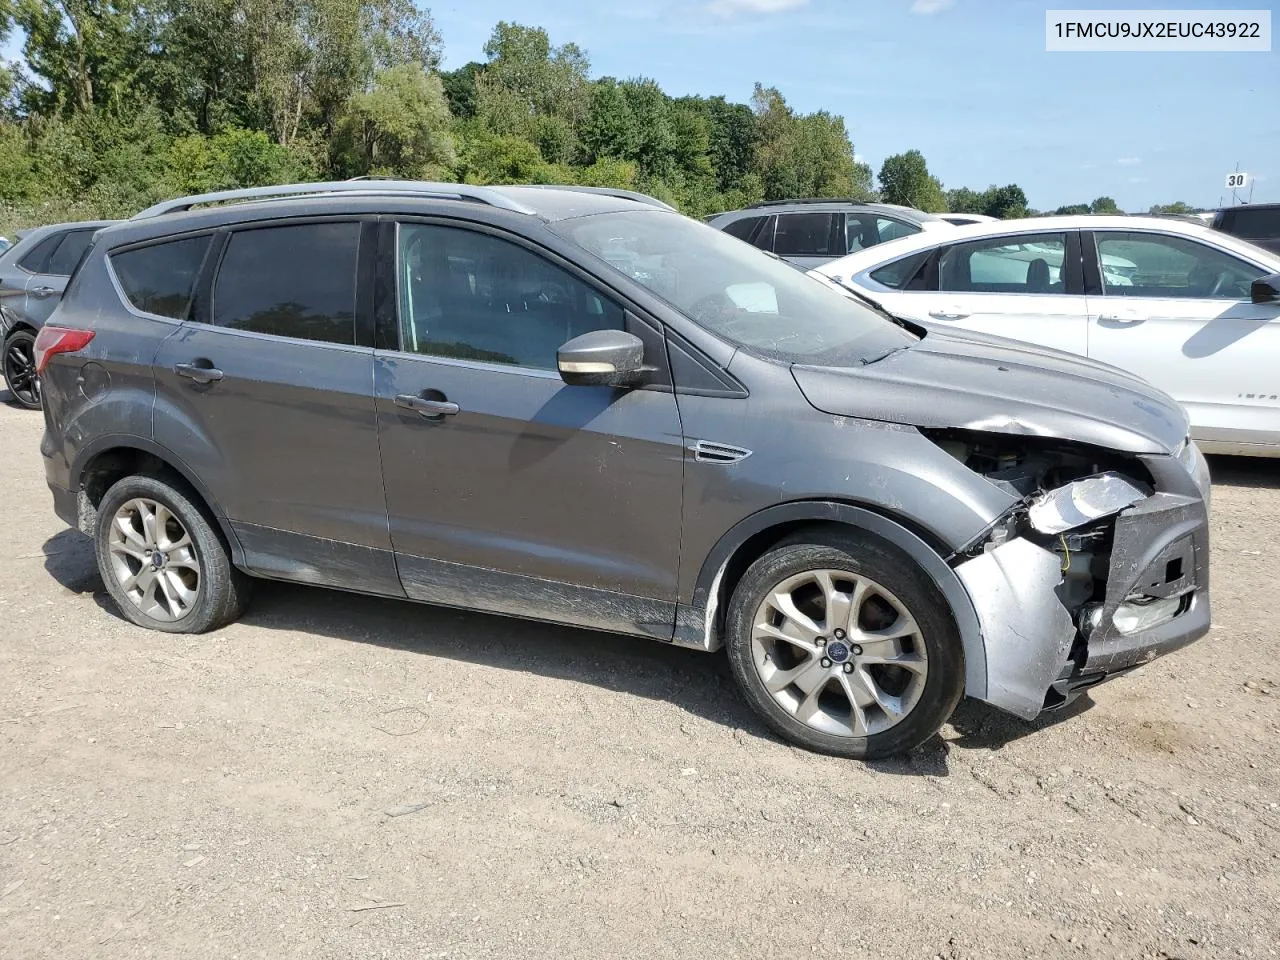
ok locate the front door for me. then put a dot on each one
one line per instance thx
(507, 489)
(1026, 287)
(267, 395)
(1177, 312)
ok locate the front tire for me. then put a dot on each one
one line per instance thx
(162, 560)
(844, 646)
(20, 368)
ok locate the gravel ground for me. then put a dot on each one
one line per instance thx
(339, 776)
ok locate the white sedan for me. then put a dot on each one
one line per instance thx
(1194, 311)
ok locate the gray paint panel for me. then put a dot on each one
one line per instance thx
(533, 477)
(287, 439)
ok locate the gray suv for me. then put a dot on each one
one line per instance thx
(809, 233)
(579, 407)
(33, 274)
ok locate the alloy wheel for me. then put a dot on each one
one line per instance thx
(20, 372)
(153, 559)
(839, 652)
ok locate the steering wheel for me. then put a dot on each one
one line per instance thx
(1221, 282)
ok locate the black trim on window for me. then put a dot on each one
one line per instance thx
(1092, 276)
(1073, 281)
(201, 310)
(926, 276)
(695, 375)
(366, 284)
(385, 323)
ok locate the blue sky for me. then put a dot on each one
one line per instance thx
(967, 82)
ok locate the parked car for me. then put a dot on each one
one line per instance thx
(809, 233)
(587, 409)
(1189, 308)
(5, 244)
(964, 219)
(1256, 222)
(33, 274)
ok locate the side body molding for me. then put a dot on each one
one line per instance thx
(697, 623)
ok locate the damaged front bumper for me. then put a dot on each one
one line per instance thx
(1155, 598)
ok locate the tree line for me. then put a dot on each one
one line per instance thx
(116, 104)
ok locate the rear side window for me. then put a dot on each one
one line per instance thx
(64, 259)
(806, 235)
(895, 275)
(296, 281)
(744, 228)
(34, 261)
(160, 278)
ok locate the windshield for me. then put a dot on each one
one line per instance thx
(734, 290)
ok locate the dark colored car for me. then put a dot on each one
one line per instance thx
(809, 233)
(33, 274)
(1256, 222)
(583, 408)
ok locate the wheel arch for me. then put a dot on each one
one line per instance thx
(752, 536)
(108, 459)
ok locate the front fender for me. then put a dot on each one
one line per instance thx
(696, 623)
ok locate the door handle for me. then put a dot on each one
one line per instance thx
(953, 313)
(1126, 319)
(427, 408)
(198, 373)
(42, 292)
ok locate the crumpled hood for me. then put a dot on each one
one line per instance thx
(978, 382)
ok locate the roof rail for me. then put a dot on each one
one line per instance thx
(452, 191)
(778, 203)
(617, 192)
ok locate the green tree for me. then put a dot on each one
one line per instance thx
(1007, 202)
(401, 126)
(610, 129)
(1105, 205)
(964, 200)
(803, 156)
(905, 179)
(1177, 207)
(1072, 209)
(460, 89)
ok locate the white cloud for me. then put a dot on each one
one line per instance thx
(926, 7)
(731, 8)
(1129, 161)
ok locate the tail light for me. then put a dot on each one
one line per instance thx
(54, 340)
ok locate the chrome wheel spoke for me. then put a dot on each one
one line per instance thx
(153, 559)
(820, 665)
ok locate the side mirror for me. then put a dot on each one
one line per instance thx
(611, 358)
(1265, 289)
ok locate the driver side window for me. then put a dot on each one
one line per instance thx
(1158, 265)
(472, 296)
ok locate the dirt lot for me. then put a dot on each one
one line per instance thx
(339, 776)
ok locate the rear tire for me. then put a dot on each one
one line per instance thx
(843, 645)
(20, 368)
(163, 561)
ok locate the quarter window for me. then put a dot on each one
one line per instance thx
(895, 275)
(295, 281)
(1025, 264)
(159, 279)
(806, 235)
(472, 296)
(1158, 265)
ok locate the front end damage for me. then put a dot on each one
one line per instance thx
(1100, 566)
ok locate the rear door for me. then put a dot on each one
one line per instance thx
(1027, 287)
(1178, 312)
(266, 393)
(522, 495)
(49, 274)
